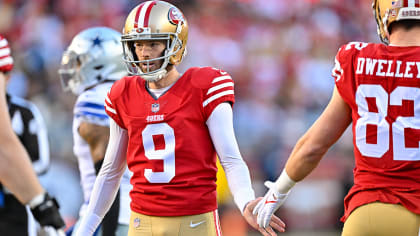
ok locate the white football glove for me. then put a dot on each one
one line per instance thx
(268, 205)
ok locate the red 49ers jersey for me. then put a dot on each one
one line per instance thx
(170, 151)
(381, 84)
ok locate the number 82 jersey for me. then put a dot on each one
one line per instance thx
(170, 151)
(381, 84)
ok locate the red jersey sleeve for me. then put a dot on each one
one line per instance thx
(343, 63)
(216, 86)
(6, 60)
(111, 102)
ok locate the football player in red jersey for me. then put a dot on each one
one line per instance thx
(377, 89)
(167, 128)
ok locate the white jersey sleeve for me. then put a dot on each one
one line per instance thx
(89, 108)
(220, 124)
(107, 182)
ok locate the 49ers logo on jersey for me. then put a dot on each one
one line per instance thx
(175, 16)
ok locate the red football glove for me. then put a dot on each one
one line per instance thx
(6, 60)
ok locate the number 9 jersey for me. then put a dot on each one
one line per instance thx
(381, 84)
(170, 151)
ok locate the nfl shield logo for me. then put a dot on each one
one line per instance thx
(136, 223)
(155, 107)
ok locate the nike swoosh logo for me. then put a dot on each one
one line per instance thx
(270, 202)
(275, 200)
(193, 225)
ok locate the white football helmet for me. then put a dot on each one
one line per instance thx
(94, 56)
(155, 20)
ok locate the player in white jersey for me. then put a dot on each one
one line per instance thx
(89, 67)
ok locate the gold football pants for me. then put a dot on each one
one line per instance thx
(206, 224)
(382, 219)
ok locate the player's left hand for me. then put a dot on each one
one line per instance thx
(47, 214)
(268, 205)
(275, 222)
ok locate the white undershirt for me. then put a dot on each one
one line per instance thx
(220, 125)
(158, 92)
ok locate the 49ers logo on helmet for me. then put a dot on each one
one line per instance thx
(175, 16)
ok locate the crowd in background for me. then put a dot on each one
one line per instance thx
(280, 54)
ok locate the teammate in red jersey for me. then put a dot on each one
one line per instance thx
(377, 87)
(167, 128)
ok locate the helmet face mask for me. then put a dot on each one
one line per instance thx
(94, 55)
(68, 71)
(389, 11)
(133, 63)
(154, 20)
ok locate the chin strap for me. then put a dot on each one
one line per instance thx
(158, 75)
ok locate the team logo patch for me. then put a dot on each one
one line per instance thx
(175, 16)
(142, 30)
(155, 107)
(136, 223)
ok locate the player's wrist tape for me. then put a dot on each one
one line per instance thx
(284, 183)
(38, 199)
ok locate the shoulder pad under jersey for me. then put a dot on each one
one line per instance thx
(204, 77)
(118, 87)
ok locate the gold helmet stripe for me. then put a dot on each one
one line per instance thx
(143, 13)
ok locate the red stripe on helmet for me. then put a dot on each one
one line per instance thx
(405, 3)
(147, 15)
(136, 19)
(416, 4)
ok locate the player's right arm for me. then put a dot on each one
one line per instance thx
(16, 172)
(306, 155)
(107, 181)
(312, 146)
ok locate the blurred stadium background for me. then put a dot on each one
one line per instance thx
(280, 54)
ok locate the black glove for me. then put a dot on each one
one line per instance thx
(46, 213)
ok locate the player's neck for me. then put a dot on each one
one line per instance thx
(166, 81)
(403, 38)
